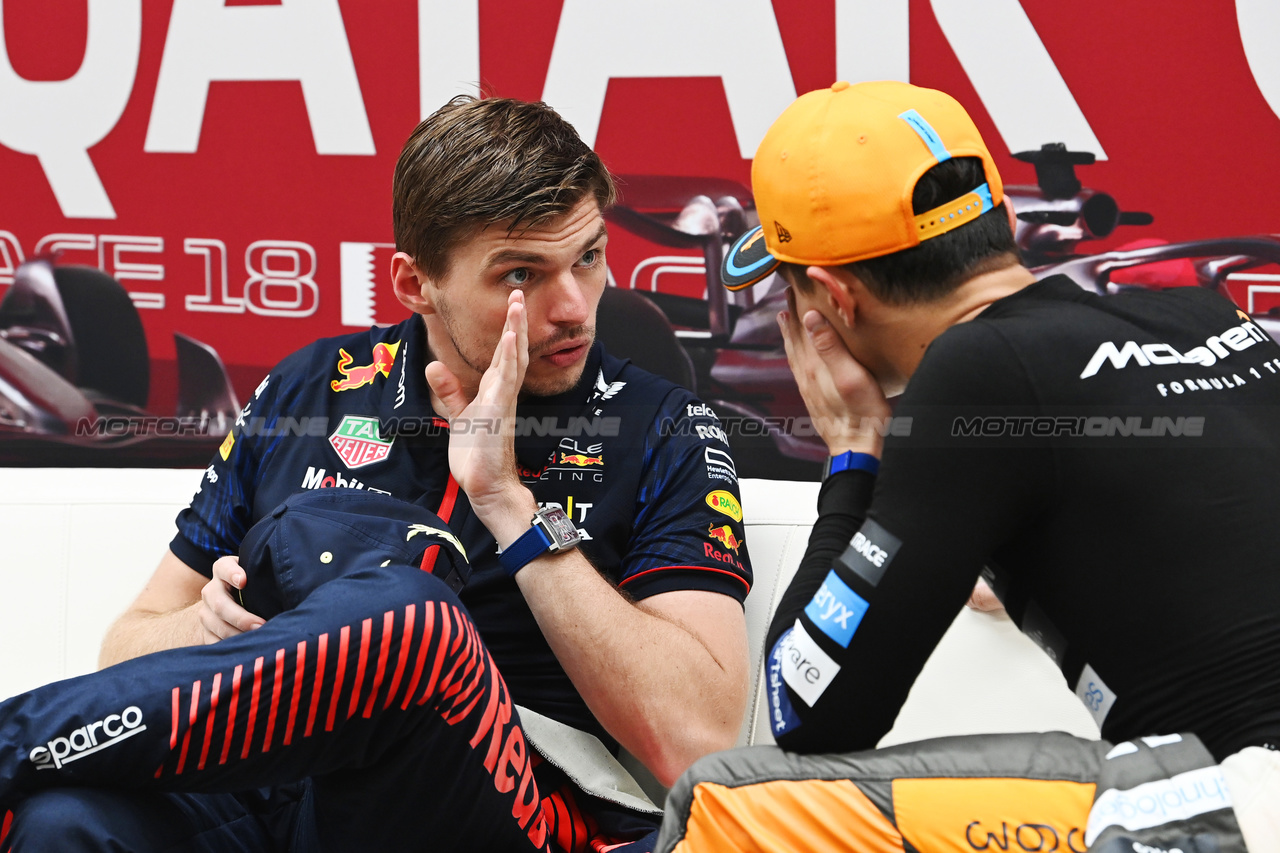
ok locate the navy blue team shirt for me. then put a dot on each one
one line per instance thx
(638, 463)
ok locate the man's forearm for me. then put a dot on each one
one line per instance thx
(138, 633)
(649, 681)
(642, 669)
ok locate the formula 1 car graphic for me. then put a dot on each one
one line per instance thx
(728, 346)
(75, 378)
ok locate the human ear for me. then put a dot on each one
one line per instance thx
(837, 291)
(410, 284)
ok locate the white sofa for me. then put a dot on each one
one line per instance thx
(76, 545)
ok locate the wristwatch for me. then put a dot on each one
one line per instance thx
(552, 532)
(850, 461)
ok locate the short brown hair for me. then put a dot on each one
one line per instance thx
(477, 162)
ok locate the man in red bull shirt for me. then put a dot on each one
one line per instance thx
(384, 711)
(1112, 462)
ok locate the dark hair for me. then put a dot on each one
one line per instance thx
(939, 265)
(477, 162)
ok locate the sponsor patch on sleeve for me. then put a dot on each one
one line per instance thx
(870, 552)
(782, 717)
(1095, 694)
(836, 609)
(1176, 800)
(720, 465)
(806, 668)
(227, 443)
(725, 503)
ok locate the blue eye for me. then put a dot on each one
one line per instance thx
(517, 277)
(590, 257)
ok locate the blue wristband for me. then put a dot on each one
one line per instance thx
(850, 461)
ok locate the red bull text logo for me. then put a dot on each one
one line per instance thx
(580, 460)
(384, 356)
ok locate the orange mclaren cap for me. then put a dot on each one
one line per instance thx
(834, 176)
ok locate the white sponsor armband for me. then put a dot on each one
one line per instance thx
(806, 668)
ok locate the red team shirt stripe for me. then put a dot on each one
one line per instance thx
(173, 732)
(439, 661)
(344, 638)
(445, 510)
(276, 687)
(208, 723)
(384, 651)
(322, 650)
(428, 625)
(736, 577)
(297, 692)
(366, 631)
(192, 719)
(410, 612)
(253, 707)
(231, 714)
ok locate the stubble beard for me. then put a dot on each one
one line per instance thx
(543, 387)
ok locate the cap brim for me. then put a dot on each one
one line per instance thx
(747, 261)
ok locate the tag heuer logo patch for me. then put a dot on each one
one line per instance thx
(358, 443)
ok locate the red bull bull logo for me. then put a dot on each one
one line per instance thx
(724, 535)
(580, 460)
(384, 356)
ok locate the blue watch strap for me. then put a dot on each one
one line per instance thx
(533, 543)
(851, 461)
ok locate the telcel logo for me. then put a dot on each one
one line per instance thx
(89, 739)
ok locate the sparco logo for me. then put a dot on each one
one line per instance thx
(87, 740)
(1215, 347)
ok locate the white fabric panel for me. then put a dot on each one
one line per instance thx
(76, 546)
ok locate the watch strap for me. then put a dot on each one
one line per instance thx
(533, 543)
(850, 461)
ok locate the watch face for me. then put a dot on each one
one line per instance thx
(560, 527)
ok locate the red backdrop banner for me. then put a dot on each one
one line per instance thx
(230, 163)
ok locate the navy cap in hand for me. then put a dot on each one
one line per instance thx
(317, 536)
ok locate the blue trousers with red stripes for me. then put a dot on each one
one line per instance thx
(371, 717)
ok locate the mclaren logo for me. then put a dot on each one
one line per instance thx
(1216, 347)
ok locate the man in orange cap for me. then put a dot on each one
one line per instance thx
(1086, 448)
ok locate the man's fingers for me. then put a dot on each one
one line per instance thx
(227, 569)
(447, 388)
(220, 614)
(831, 350)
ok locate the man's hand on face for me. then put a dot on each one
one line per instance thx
(481, 444)
(218, 609)
(843, 398)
